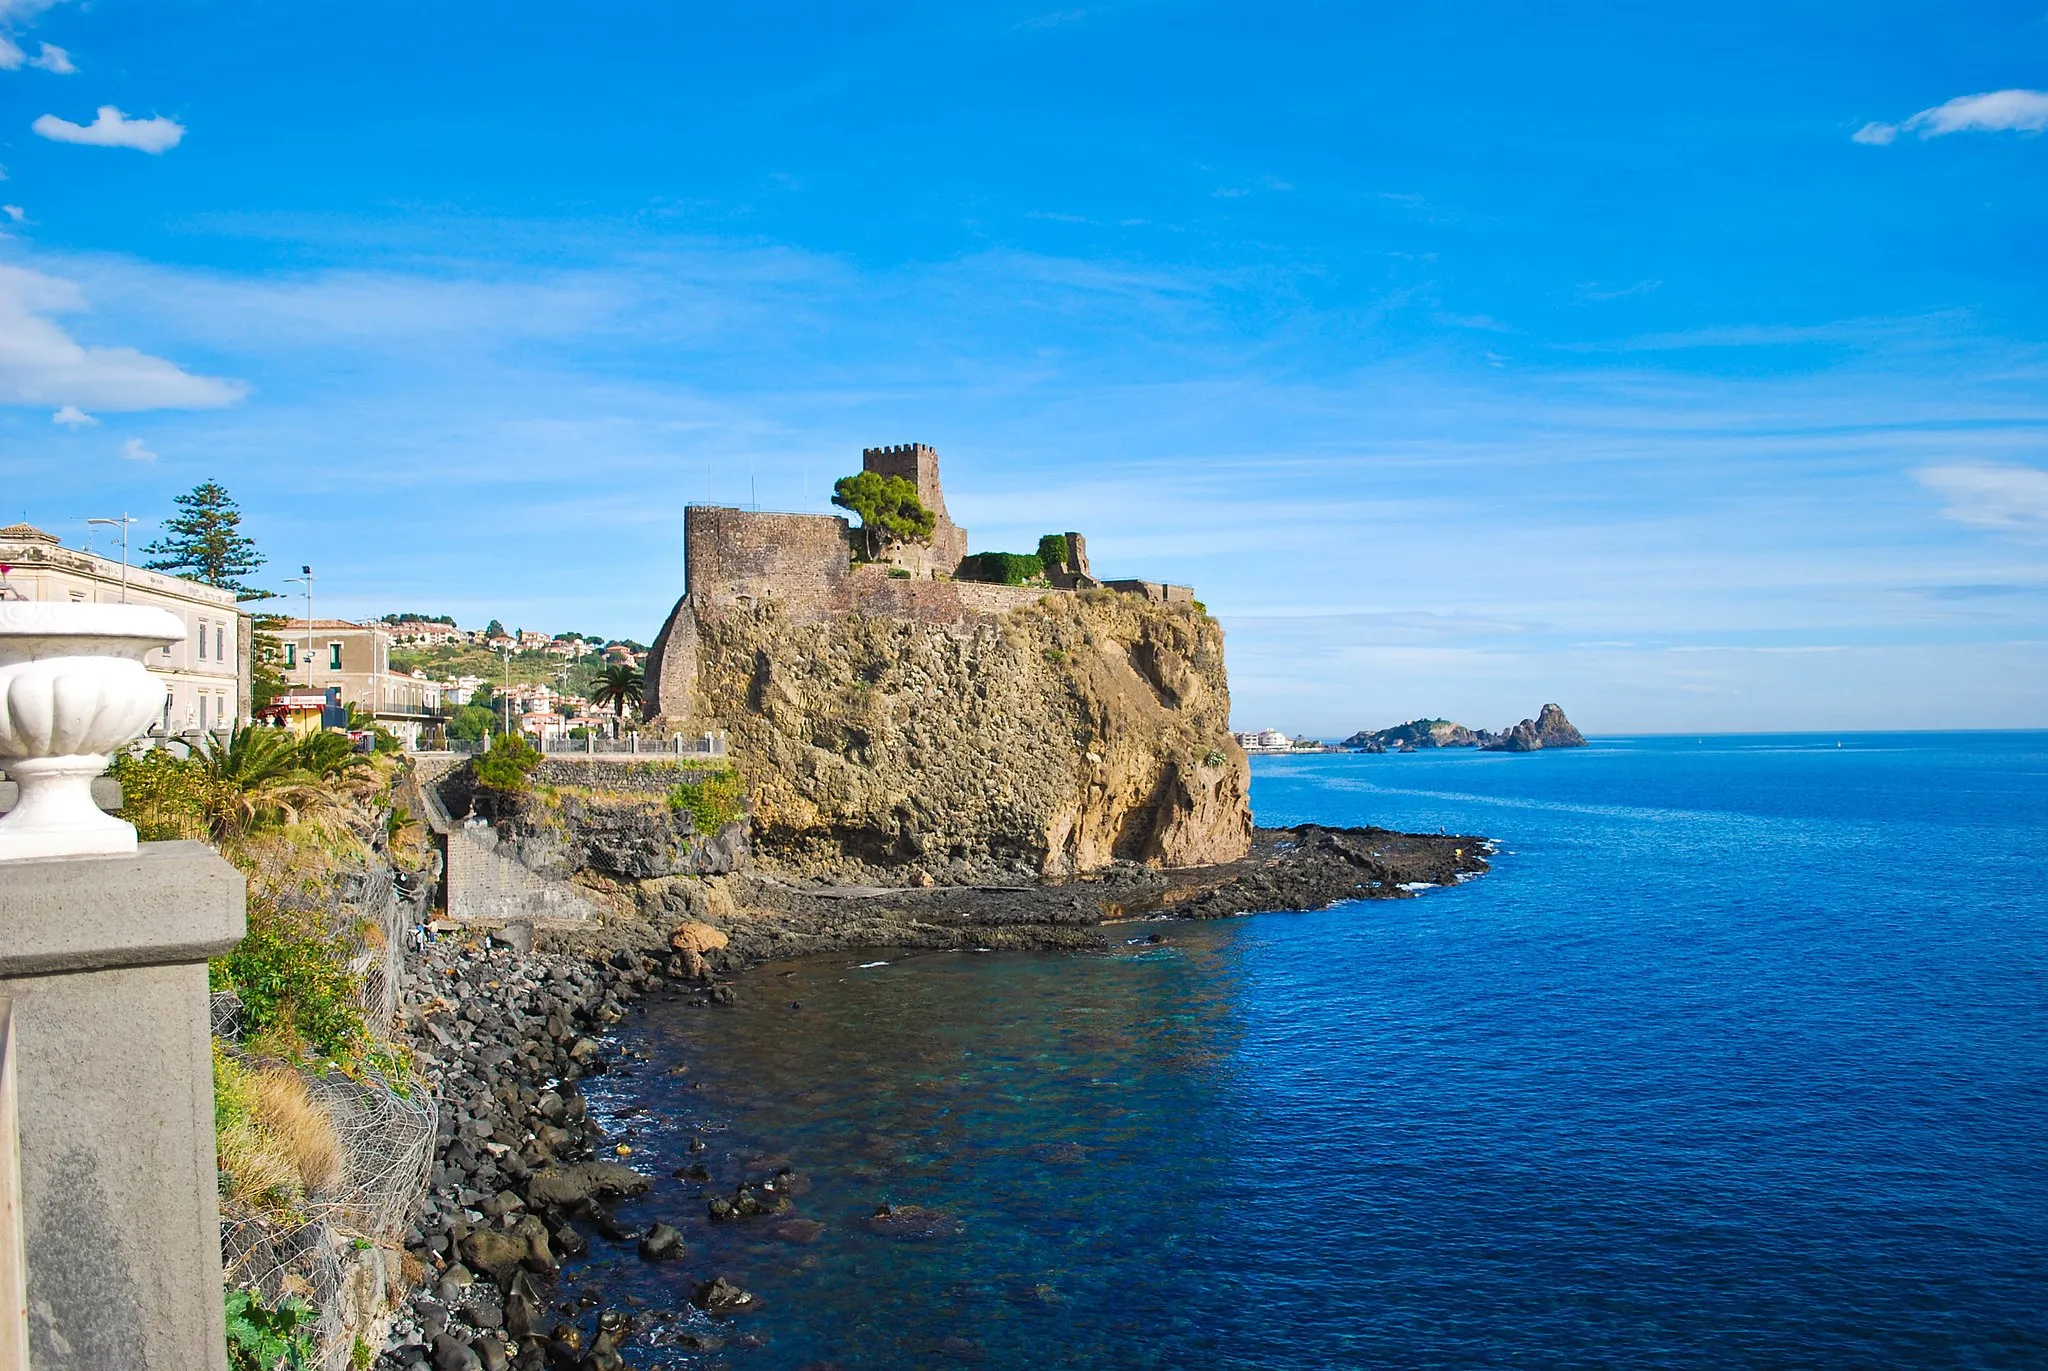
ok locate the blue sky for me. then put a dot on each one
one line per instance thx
(1688, 368)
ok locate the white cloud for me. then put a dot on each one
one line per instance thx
(1991, 494)
(134, 451)
(74, 418)
(14, 212)
(1998, 111)
(42, 364)
(113, 129)
(11, 55)
(55, 60)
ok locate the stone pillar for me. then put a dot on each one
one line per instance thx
(104, 959)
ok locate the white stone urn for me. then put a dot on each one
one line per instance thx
(73, 691)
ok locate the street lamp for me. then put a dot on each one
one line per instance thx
(506, 653)
(122, 524)
(306, 579)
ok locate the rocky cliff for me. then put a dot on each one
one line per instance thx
(1053, 739)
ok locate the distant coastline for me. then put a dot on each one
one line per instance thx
(1549, 729)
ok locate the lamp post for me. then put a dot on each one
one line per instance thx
(506, 653)
(122, 524)
(306, 579)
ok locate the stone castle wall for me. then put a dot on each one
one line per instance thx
(735, 554)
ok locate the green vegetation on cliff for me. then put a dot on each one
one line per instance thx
(1004, 568)
(716, 800)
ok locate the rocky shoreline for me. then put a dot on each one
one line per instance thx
(504, 1030)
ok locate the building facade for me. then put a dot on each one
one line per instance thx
(206, 677)
(357, 657)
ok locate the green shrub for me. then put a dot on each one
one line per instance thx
(166, 797)
(291, 974)
(507, 769)
(470, 723)
(1003, 568)
(899, 573)
(712, 803)
(1054, 551)
(279, 1338)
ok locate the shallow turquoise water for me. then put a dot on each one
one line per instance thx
(1738, 1058)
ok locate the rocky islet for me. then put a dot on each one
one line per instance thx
(1550, 728)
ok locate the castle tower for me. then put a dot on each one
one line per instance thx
(919, 465)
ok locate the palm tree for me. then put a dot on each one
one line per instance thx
(328, 755)
(254, 772)
(248, 758)
(617, 685)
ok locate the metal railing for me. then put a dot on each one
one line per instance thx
(709, 745)
(632, 745)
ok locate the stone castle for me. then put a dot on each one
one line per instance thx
(805, 562)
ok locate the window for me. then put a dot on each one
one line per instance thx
(334, 656)
(219, 637)
(202, 646)
(291, 655)
(202, 711)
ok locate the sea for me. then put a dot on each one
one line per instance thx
(1737, 1057)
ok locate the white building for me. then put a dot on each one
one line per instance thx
(1265, 740)
(207, 675)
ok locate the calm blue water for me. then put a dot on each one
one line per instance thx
(1738, 1058)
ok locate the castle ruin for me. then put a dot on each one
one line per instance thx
(806, 563)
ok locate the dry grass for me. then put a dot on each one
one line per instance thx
(255, 1171)
(285, 1109)
(274, 1145)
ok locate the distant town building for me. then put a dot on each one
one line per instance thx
(206, 676)
(1265, 740)
(424, 634)
(357, 658)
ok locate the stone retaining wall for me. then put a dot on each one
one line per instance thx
(482, 884)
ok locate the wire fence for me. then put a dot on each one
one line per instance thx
(341, 1254)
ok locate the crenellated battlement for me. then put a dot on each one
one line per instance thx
(918, 463)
